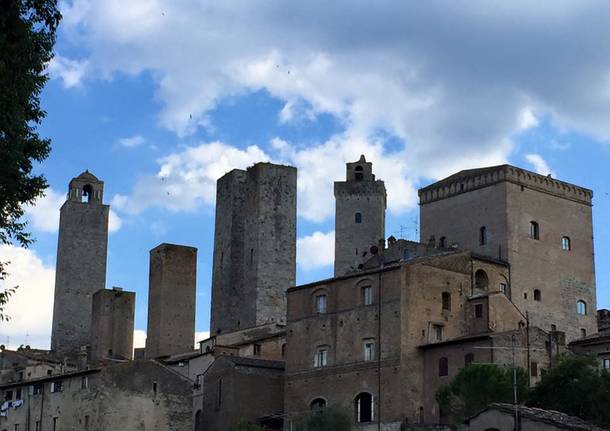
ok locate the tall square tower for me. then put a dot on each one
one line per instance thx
(112, 324)
(541, 226)
(254, 246)
(81, 263)
(171, 300)
(360, 203)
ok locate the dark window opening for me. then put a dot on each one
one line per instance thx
(154, 386)
(443, 367)
(442, 242)
(446, 301)
(537, 295)
(534, 369)
(364, 407)
(87, 193)
(534, 230)
(317, 405)
(553, 328)
(468, 359)
(257, 350)
(358, 217)
(478, 311)
(583, 332)
(483, 235)
(284, 350)
(219, 394)
(251, 256)
(481, 281)
(359, 173)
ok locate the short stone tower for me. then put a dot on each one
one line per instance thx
(254, 246)
(359, 215)
(171, 300)
(112, 324)
(81, 263)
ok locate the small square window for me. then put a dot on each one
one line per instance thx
(57, 386)
(37, 389)
(478, 311)
(257, 350)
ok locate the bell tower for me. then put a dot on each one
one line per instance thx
(360, 204)
(81, 262)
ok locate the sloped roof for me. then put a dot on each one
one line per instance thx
(87, 176)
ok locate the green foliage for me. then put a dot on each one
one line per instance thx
(247, 426)
(478, 385)
(328, 419)
(27, 35)
(577, 387)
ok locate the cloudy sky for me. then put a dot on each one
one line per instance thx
(159, 99)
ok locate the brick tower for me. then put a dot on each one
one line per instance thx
(359, 215)
(81, 262)
(254, 246)
(541, 226)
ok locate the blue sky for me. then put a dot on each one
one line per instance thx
(160, 99)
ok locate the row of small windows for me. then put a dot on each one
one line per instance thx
(363, 407)
(320, 358)
(534, 233)
(443, 364)
(38, 389)
(38, 425)
(321, 300)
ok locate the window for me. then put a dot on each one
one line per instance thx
(583, 332)
(8, 396)
(468, 359)
(57, 386)
(364, 407)
(321, 304)
(198, 421)
(358, 217)
(84, 382)
(438, 332)
(37, 426)
(478, 311)
(581, 308)
(284, 350)
(198, 380)
(37, 389)
(537, 295)
(317, 405)
(483, 235)
(367, 295)
(566, 244)
(443, 367)
(369, 350)
(481, 281)
(154, 386)
(321, 357)
(442, 242)
(257, 349)
(18, 394)
(606, 364)
(359, 173)
(534, 369)
(55, 424)
(534, 230)
(87, 422)
(504, 288)
(553, 328)
(219, 394)
(446, 297)
(87, 193)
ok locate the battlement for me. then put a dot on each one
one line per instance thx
(472, 179)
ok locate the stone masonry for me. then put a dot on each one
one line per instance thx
(81, 263)
(254, 247)
(359, 215)
(552, 269)
(171, 300)
(112, 324)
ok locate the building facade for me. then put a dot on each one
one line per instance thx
(171, 300)
(360, 203)
(541, 226)
(254, 247)
(81, 263)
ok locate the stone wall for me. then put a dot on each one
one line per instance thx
(112, 324)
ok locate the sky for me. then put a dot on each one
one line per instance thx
(159, 99)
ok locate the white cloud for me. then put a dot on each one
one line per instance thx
(316, 250)
(139, 338)
(539, 164)
(132, 142)
(71, 72)
(44, 214)
(199, 336)
(527, 119)
(31, 307)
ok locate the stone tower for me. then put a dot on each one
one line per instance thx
(359, 215)
(541, 226)
(112, 324)
(81, 262)
(171, 300)
(254, 246)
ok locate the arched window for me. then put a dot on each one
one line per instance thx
(198, 423)
(481, 281)
(317, 405)
(321, 303)
(284, 350)
(483, 235)
(443, 367)
(468, 359)
(87, 193)
(581, 307)
(363, 405)
(534, 230)
(366, 295)
(566, 243)
(359, 173)
(537, 295)
(446, 301)
(321, 357)
(442, 242)
(358, 217)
